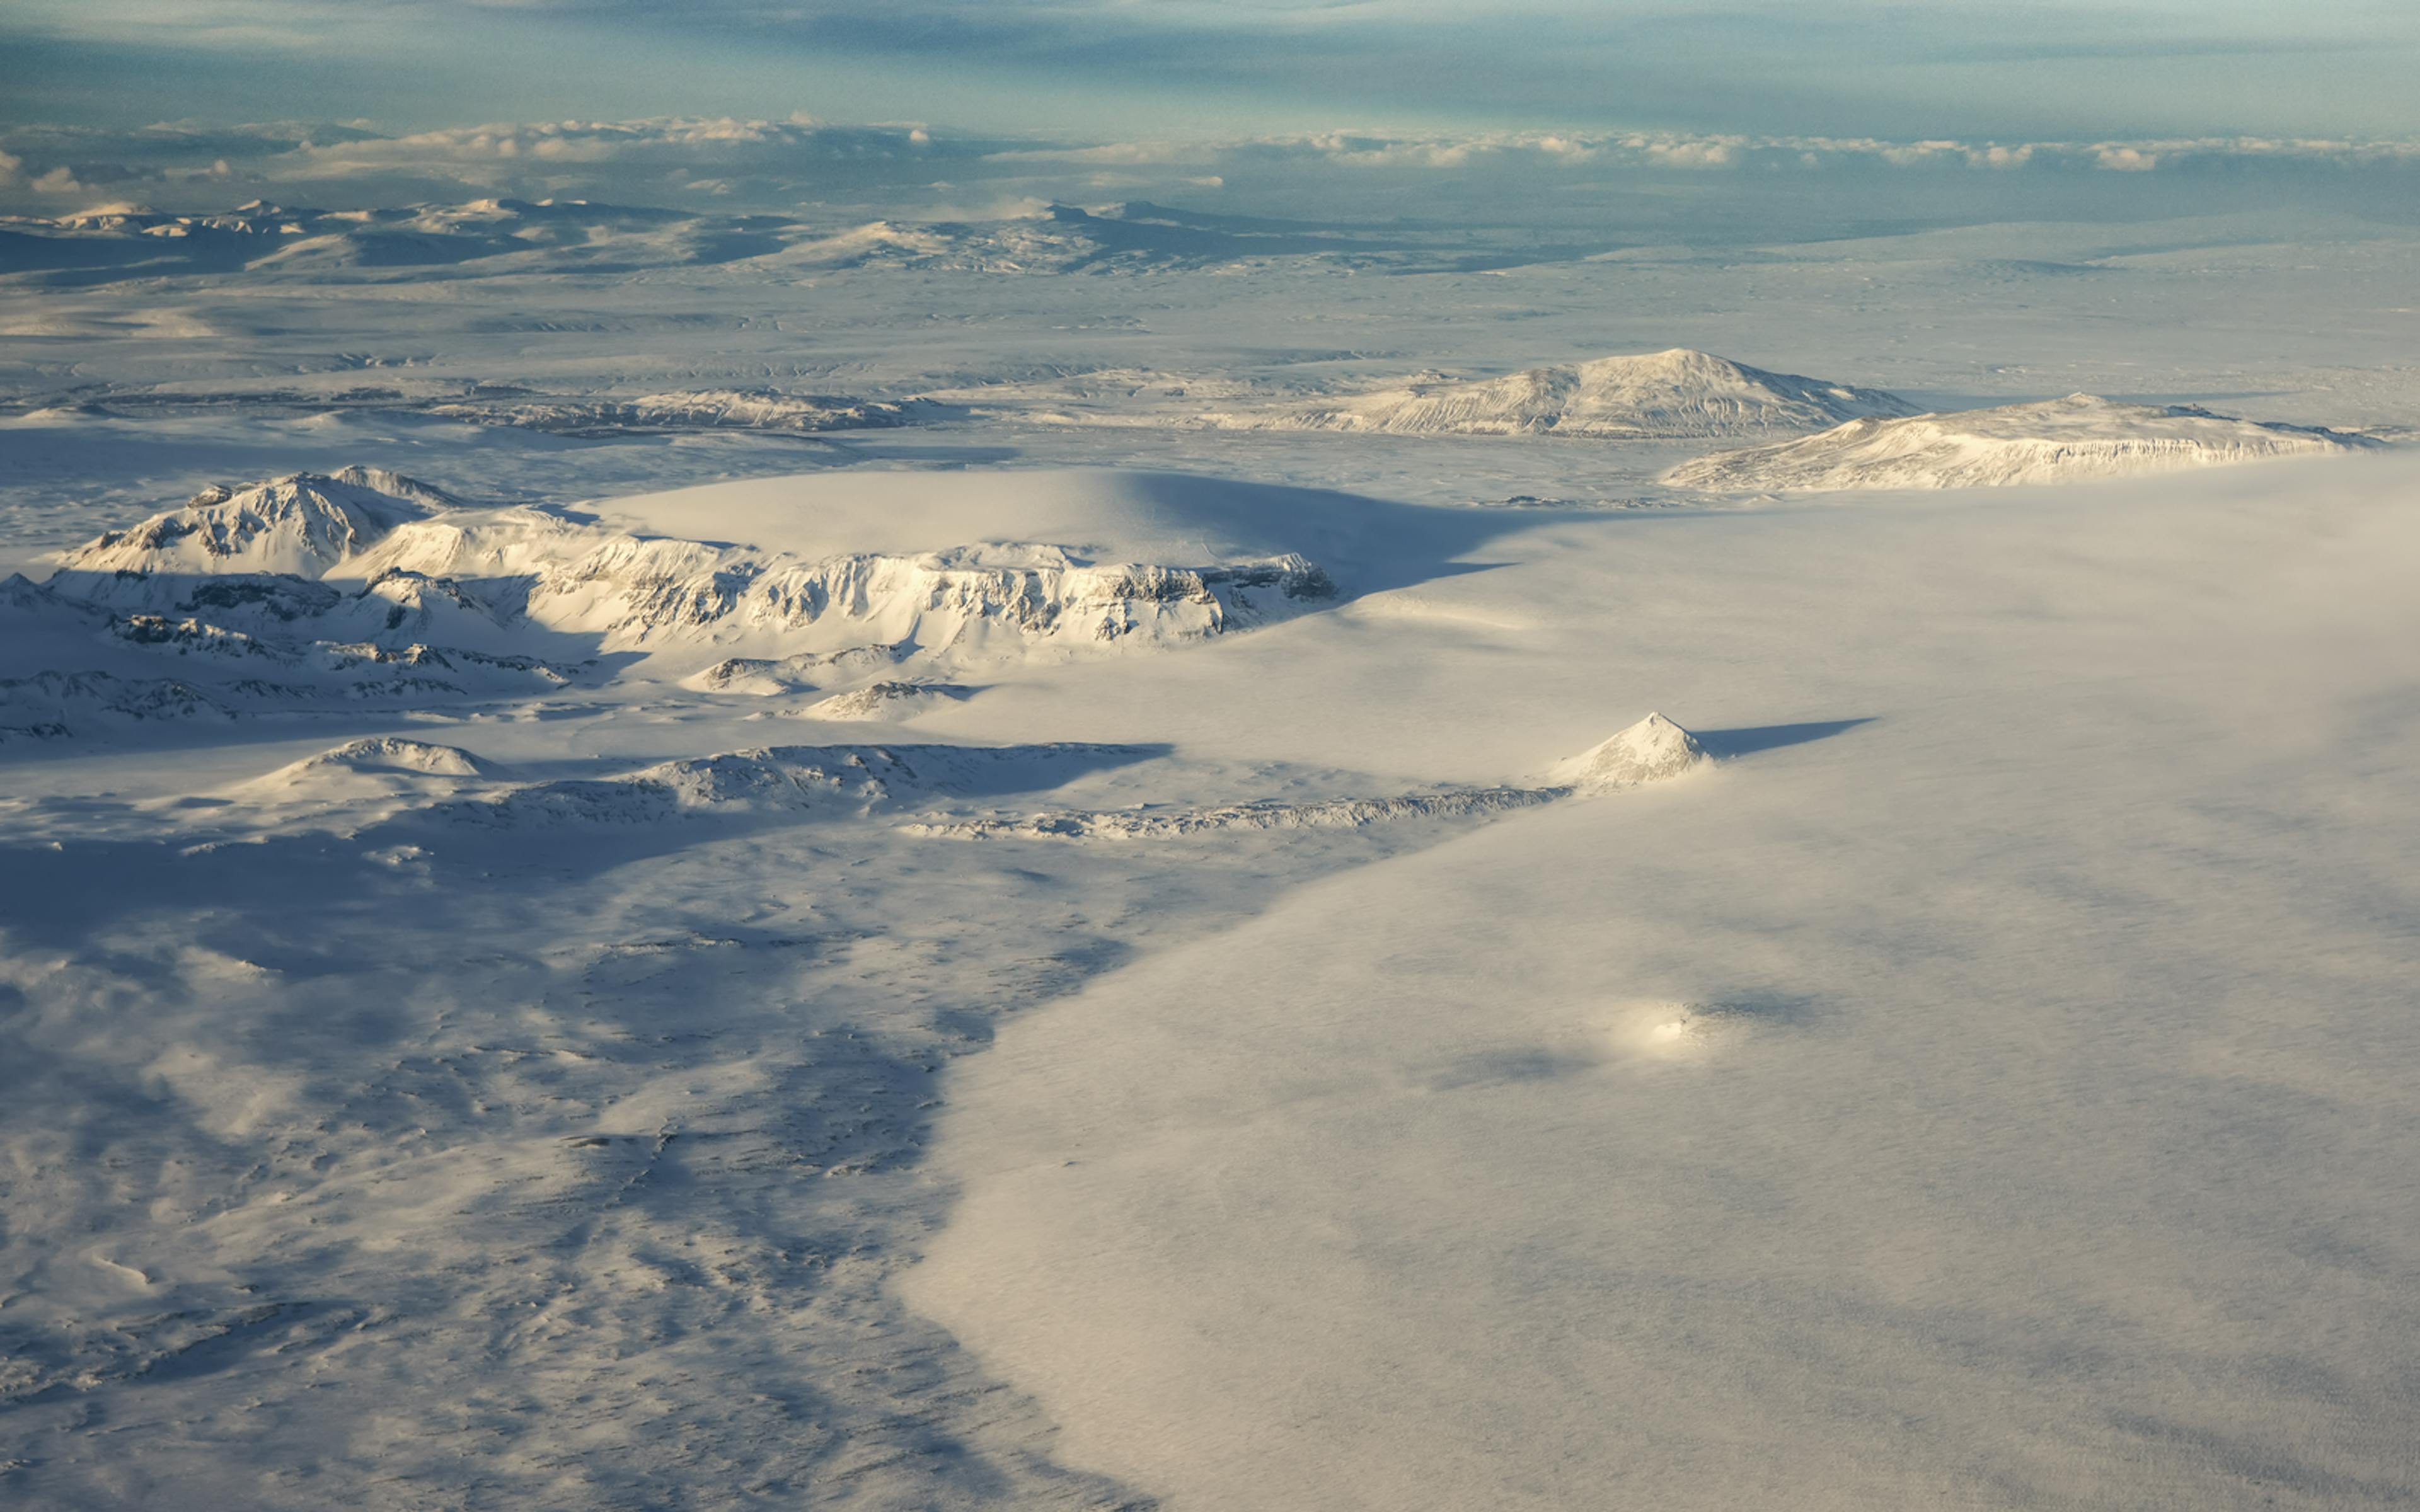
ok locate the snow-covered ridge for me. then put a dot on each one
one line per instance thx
(885, 701)
(2081, 435)
(393, 766)
(329, 571)
(804, 672)
(505, 236)
(64, 703)
(1178, 823)
(54, 705)
(1678, 393)
(1653, 750)
(840, 779)
(699, 409)
(75, 664)
(398, 754)
(645, 593)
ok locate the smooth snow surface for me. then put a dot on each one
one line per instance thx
(2059, 439)
(1987, 1104)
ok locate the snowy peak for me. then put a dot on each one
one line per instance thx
(1680, 392)
(1651, 751)
(2081, 435)
(302, 524)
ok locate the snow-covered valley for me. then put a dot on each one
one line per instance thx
(1110, 858)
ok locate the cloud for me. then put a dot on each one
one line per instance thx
(1698, 154)
(907, 170)
(725, 142)
(2041, 71)
(2126, 159)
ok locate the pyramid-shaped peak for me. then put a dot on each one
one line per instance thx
(1649, 751)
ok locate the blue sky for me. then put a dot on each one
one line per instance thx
(1965, 69)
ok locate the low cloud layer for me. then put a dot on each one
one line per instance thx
(783, 165)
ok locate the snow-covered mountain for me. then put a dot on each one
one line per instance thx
(362, 584)
(1678, 393)
(235, 604)
(2055, 440)
(1651, 751)
(385, 565)
(302, 524)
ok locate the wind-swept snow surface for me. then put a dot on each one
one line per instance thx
(1672, 394)
(1999, 1102)
(2056, 440)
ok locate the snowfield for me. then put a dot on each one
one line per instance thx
(766, 862)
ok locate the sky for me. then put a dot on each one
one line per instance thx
(1548, 109)
(2006, 68)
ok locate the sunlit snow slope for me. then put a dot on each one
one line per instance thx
(2057, 440)
(1993, 1091)
(1671, 393)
